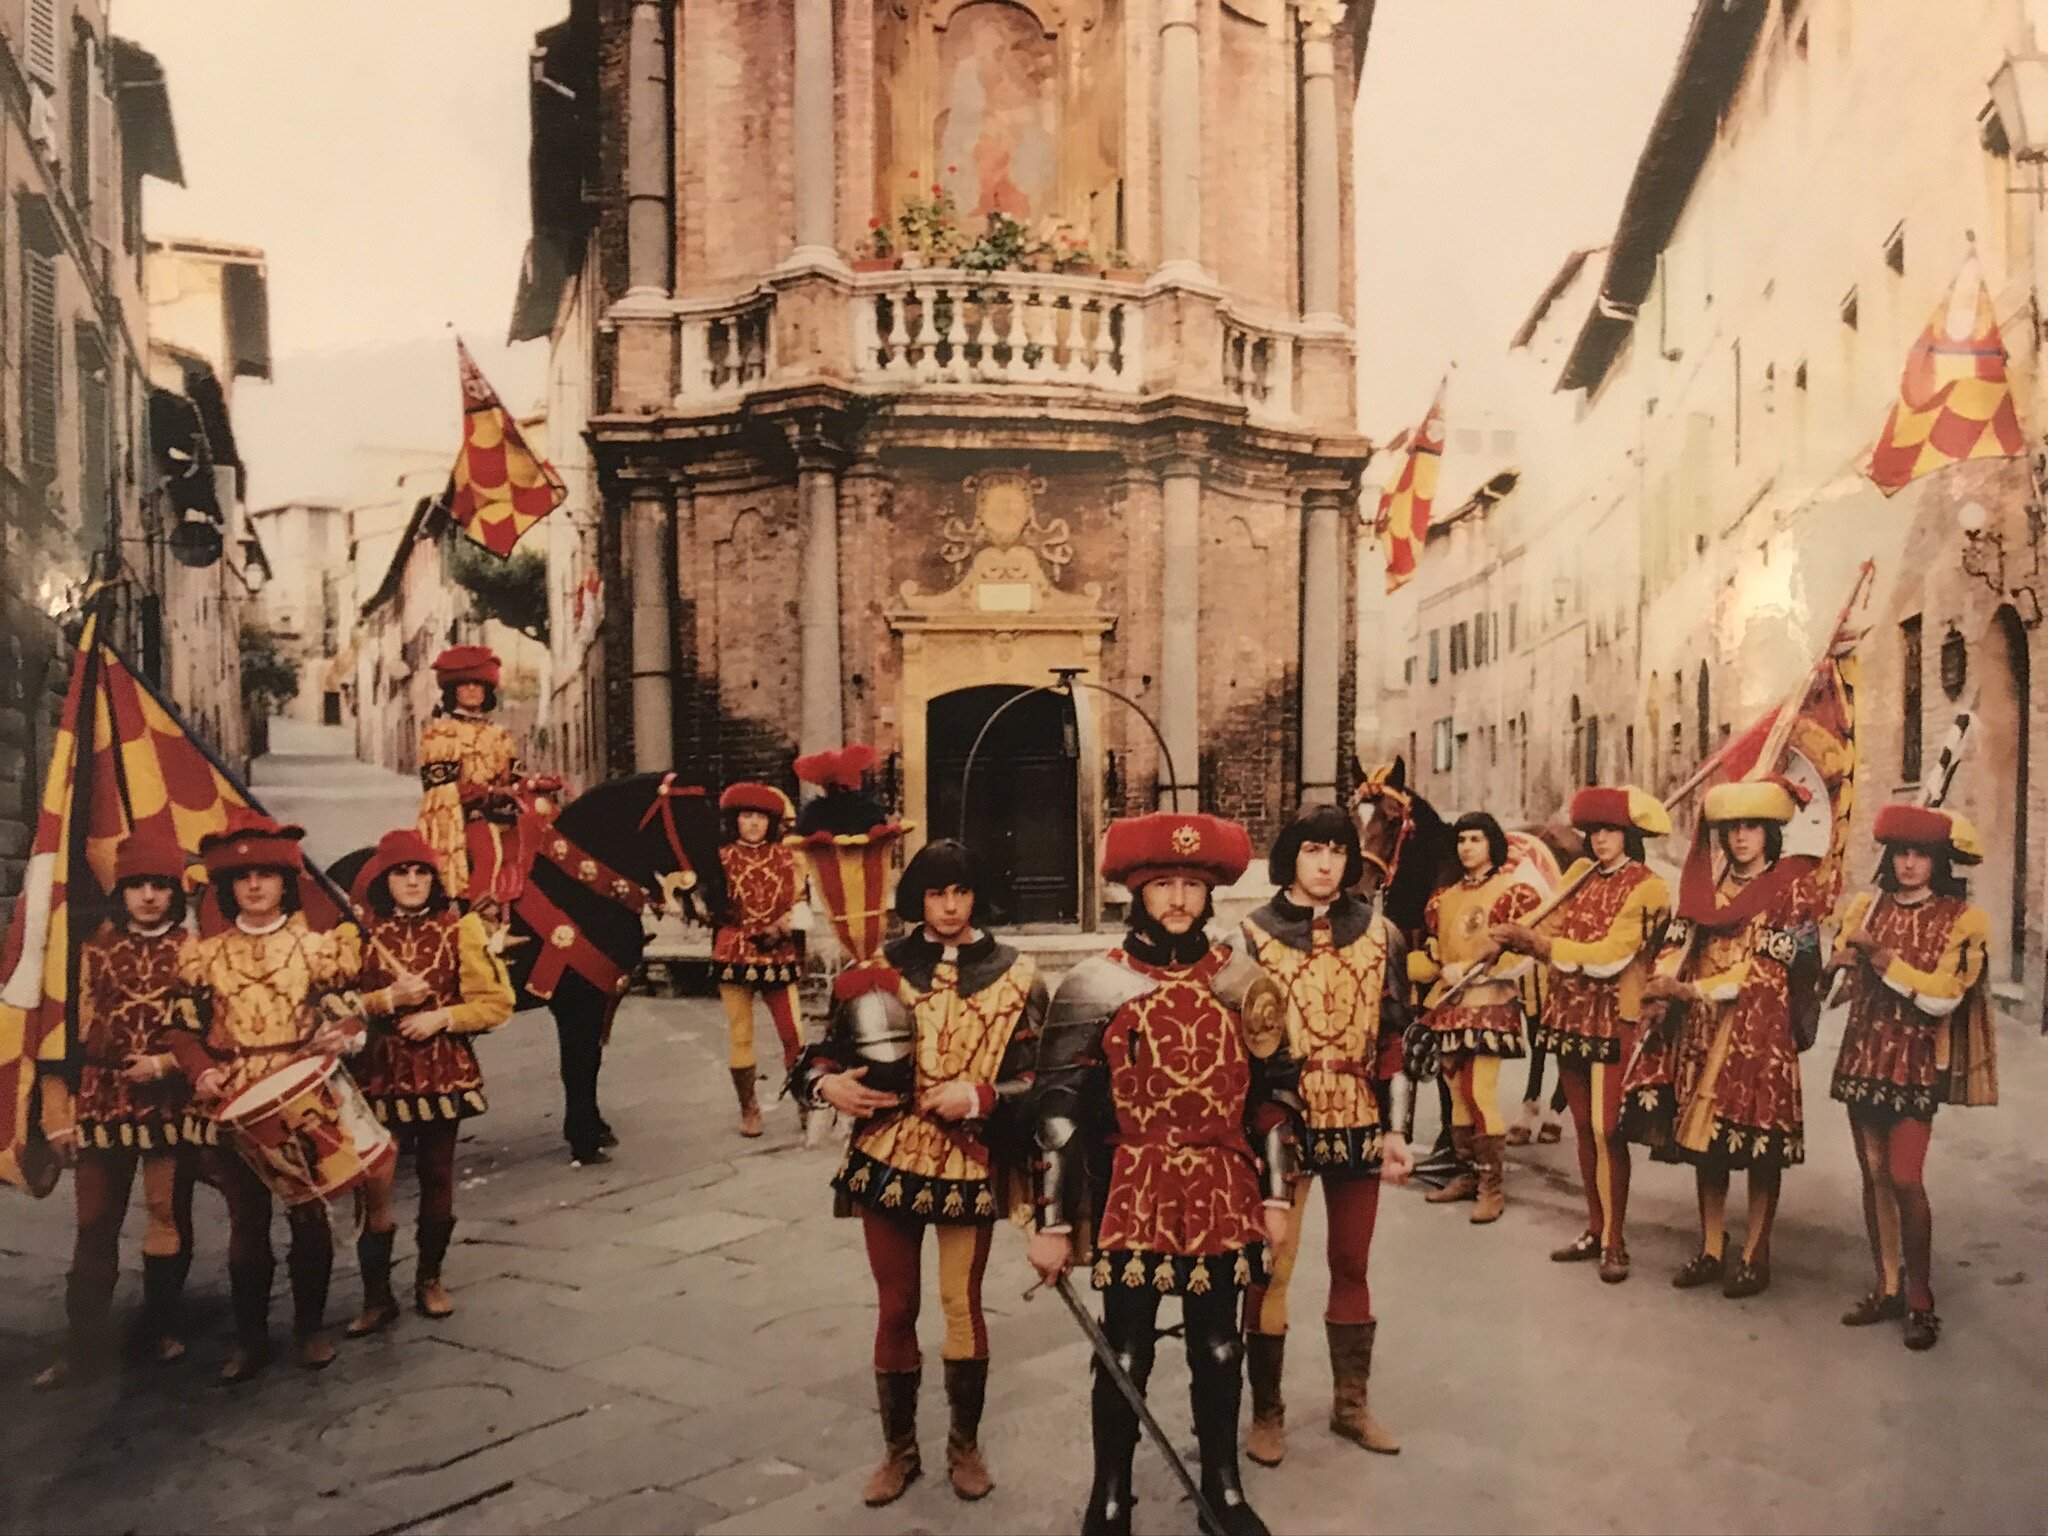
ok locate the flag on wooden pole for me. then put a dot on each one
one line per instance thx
(1956, 400)
(499, 487)
(1403, 522)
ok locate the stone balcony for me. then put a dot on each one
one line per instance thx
(1037, 337)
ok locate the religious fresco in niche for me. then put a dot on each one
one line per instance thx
(994, 129)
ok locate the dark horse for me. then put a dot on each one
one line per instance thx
(661, 840)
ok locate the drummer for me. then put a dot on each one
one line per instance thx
(431, 983)
(254, 995)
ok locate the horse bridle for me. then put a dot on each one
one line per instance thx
(1402, 802)
(683, 877)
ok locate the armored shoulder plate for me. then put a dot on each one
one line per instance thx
(1244, 987)
(1093, 991)
(878, 1027)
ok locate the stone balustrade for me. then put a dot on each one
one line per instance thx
(997, 328)
(724, 349)
(1258, 368)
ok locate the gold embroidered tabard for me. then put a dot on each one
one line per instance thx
(255, 988)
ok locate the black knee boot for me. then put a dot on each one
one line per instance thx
(1216, 1386)
(163, 1287)
(1129, 1323)
(249, 1286)
(311, 1263)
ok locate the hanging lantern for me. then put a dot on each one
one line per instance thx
(195, 542)
(1955, 664)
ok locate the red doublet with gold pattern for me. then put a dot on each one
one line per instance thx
(763, 886)
(1334, 993)
(1724, 1085)
(922, 1168)
(1599, 935)
(1486, 1018)
(127, 983)
(1889, 1061)
(438, 1078)
(1183, 1185)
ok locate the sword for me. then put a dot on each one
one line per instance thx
(1105, 1357)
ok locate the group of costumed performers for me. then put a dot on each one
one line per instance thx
(174, 1024)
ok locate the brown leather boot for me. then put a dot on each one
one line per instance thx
(380, 1307)
(1466, 1185)
(1490, 1154)
(1350, 1372)
(429, 1296)
(750, 1112)
(1264, 1356)
(249, 1288)
(896, 1392)
(966, 1391)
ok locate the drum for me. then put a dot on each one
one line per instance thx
(308, 1132)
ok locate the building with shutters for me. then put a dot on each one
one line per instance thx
(84, 118)
(837, 493)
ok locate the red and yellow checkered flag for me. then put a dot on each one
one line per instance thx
(1955, 401)
(1403, 522)
(122, 762)
(499, 487)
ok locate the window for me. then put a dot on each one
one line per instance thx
(95, 485)
(1435, 657)
(1589, 772)
(1799, 375)
(39, 42)
(40, 361)
(1514, 625)
(1703, 709)
(1895, 249)
(1852, 310)
(1440, 745)
(1461, 647)
(1912, 743)
(1408, 673)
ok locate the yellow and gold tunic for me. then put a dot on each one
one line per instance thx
(1601, 951)
(1342, 970)
(251, 992)
(975, 1014)
(1485, 1019)
(1897, 1045)
(462, 757)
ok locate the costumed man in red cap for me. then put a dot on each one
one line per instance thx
(1599, 943)
(468, 764)
(254, 994)
(930, 1050)
(1716, 1079)
(755, 949)
(1174, 1050)
(430, 984)
(1913, 955)
(1478, 1023)
(129, 1112)
(1342, 966)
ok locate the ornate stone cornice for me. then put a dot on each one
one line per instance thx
(1320, 18)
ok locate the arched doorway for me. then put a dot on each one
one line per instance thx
(1021, 812)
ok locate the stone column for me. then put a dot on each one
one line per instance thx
(823, 722)
(649, 547)
(1322, 643)
(1180, 138)
(1180, 593)
(1321, 256)
(814, 126)
(644, 374)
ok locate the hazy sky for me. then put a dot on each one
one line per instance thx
(1494, 136)
(376, 150)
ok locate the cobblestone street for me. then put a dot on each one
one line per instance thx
(678, 1342)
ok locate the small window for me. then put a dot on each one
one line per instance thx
(1852, 310)
(1912, 659)
(1440, 740)
(1514, 625)
(1408, 673)
(1435, 656)
(1895, 250)
(1799, 375)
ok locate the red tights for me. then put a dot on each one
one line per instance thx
(1594, 1093)
(1892, 1152)
(1351, 1208)
(895, 1253)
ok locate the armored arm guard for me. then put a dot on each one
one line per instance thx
(1274, 1115)
(1070, 1066)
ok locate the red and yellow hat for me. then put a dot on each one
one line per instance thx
(748, 795)
(252, 840)
(1766, 799)
(401, 846)
(467, 664)
(1924, 826)
(1621, 805)
(1139, 849)
(149, 856)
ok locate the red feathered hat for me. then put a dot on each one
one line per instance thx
(840, 768)
(467, 664)
(149, 856)
(1143, 848)
(750, 796)
(403, 846)
(252, 840)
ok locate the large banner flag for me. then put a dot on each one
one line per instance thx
(499, 487)
(1403, 522)
(1956, 401)
(122, 762)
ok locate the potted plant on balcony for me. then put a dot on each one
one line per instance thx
(931, 230)
(1067, 249)
(1121, 269)
(1003, 247)
(878, 252)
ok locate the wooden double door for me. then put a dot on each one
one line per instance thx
(1021, 807)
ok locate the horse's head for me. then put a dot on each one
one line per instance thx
(684, 824)
(1383, 810)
